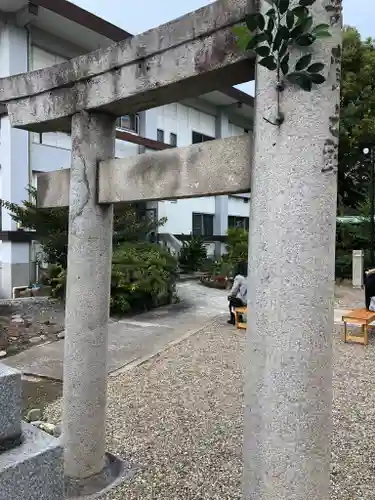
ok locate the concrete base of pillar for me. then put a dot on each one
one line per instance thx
(115, 472)
(34, 469)
(12, 275)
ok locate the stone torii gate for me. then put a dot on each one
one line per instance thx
(292, 235)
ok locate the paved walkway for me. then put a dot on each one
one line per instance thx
(137, 338)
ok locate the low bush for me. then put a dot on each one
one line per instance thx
(193, 254)
(55, 277)
(143, 277)
(224, 267)
(237, 245)
(351, 237)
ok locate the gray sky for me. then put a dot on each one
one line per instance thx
(136, 16)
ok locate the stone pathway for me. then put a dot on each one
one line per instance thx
(132, 340)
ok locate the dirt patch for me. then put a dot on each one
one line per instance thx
(38, 393)
(28, 322)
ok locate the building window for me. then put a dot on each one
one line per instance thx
(239, 222)
(203, 224)
(173, 139)
(128, 122)
(160, 135)
(197, 138)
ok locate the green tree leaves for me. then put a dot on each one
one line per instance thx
(273, 34)
(302, 79)
(306, 3)
(255, 22)
(357, 118)
(303, 62)
(269, 63)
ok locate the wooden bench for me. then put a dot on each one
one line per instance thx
(362, 317)
(237, 312)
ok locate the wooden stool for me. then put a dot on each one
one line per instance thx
(362, 317)
(239, 324)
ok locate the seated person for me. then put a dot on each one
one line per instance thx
(238, 294)
(369, 288)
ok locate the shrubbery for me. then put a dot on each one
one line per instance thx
(351, 237)
(143, 277)
(237, 245)
(143, 274)
(192, 254)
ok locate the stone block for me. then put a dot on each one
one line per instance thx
(33, 470)
(10, 403)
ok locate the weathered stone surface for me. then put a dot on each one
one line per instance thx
(202, 22)
(87, 299)
(181, 59)
(10, 403)
(288, 419)
(33, 470)
(34, 415)
(214, 167)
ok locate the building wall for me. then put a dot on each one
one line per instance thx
(239, 206)
(22, 154)
(182, 120)
(14, 160)
(180, 213)
(51, 151)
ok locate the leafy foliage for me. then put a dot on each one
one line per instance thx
(193, 254)
(129, 226)
(357, 119)
(143, 274)
(237, 251)
(351, 237)
(51, 226)
(271, 35)
(55, 277)
(237, 245)
(143, 277)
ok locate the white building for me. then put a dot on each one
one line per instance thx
(41, 33)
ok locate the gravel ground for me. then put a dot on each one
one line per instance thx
(179, 417)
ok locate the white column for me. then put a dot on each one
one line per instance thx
(14, 159)
(87, 299)
(221, 202)
(148, 126)
(288, 382)
(358, 268)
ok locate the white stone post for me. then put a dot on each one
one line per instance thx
(288, 385)
(358, 268)
(221, 202)
(87, 299)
